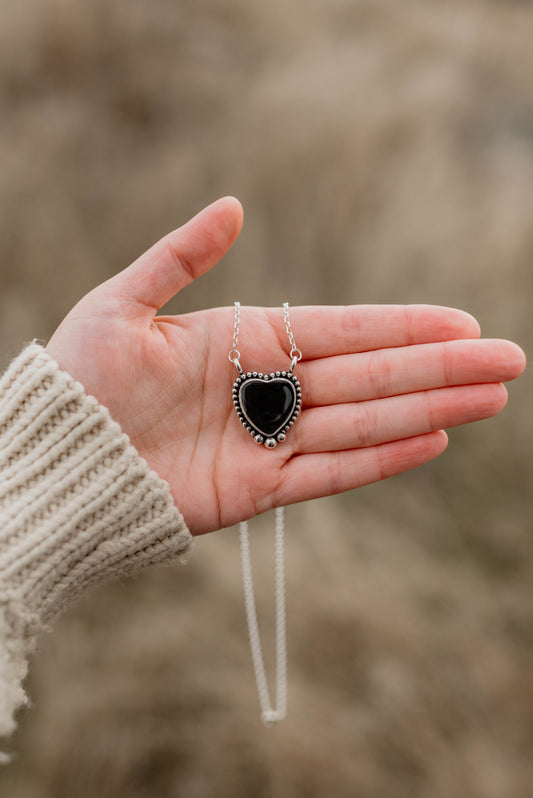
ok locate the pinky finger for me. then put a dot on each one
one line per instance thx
(311, 476)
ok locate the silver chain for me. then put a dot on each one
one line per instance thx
(269, 715)
(234, 356)
(295, 352)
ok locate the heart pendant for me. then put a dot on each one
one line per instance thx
(267, 404)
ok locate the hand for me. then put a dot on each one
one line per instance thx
(379, 383)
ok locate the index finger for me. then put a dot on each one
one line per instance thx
(323, 331)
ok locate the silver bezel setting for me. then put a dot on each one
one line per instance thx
(269, 441)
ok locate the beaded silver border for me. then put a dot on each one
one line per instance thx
(257, 434)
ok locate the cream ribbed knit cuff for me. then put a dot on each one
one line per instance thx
(78, 506)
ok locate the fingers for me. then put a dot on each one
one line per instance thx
(322, 331)
(311, 476)
(364, 424)
(178, 258)
(389, 372)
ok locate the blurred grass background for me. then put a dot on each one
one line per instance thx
(383, 152)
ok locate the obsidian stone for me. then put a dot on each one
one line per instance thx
(268, 404)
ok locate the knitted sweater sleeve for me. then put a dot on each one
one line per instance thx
(78, 506)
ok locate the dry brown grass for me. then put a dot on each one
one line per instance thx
(383, 152)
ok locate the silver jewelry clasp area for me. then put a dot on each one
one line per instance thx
(295, 356)
(233, 357)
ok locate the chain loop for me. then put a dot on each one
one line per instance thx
(234, 355)
(269, 714)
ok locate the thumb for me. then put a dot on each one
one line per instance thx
(178, 258)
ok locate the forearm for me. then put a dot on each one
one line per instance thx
(77, 506)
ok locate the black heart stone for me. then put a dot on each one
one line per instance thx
(268, 404)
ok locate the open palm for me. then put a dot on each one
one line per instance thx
(379, 383)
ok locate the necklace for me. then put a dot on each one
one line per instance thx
(267, 405)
